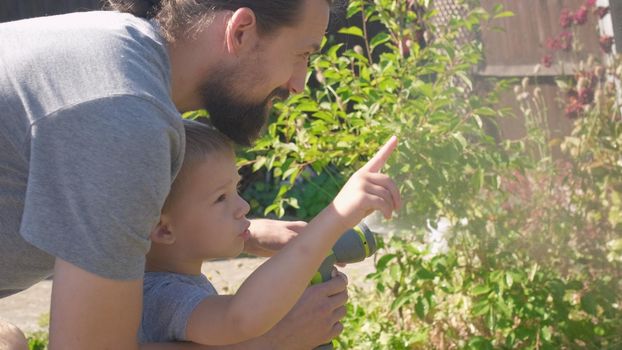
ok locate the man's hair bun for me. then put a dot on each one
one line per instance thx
(139, 8)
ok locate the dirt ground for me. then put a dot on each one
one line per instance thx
(29, 310)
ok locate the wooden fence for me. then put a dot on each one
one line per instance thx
(519, 47)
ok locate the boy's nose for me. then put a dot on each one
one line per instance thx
(243, 209)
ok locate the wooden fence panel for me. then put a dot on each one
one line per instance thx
(518, 49)
(521, 44)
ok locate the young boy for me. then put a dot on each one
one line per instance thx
(205, 218)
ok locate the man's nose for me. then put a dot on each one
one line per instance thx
(296, 83)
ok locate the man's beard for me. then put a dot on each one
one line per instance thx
(241, 120)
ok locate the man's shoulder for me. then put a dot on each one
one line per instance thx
(87, 55)
(91, 39)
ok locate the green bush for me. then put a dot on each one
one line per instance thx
(533, 259)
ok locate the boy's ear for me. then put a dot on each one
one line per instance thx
(161, 234)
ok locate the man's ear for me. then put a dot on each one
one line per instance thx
(241, 34)
(161, 234)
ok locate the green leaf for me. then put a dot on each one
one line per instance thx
(401, 300)
(465, 79)
(383, 261)
(379, 39)
(485, 111)
(480, 290)
(479, 343)
(532, 272)
(421, 308)
(354, 7)
(481, 308)
(503, 14)
(353, 30)
(509, 280)
(425, 274)
(259, 162)
(589, 304)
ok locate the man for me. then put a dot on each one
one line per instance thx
(91, 139)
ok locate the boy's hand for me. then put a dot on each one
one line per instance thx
(368, 190)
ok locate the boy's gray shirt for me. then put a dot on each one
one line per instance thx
(90, 142)
(168, 301)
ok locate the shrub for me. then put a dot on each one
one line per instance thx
(534, 253)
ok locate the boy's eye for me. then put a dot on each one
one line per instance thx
(221, 198)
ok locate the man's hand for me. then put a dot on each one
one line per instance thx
(315, 319)
(269, 236)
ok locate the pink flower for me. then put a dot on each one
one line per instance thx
(552, 44)
(586, 96)
(565, 18)
(606, 42)
(573, 109)
(580, 17)
(590, 3)
(565, 40)
(547, 61)
(601, 11)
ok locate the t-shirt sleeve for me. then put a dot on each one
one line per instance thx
(167, 307)
(99, 174)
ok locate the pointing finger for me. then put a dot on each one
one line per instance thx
(380, 158)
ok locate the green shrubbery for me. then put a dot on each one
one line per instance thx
(533, 259)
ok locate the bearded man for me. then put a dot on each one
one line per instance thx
(92, 138)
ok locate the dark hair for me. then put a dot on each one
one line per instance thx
(177, 17)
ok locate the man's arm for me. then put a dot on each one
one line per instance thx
(92, 312)
(269, 236)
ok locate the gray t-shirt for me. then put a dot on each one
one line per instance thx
(89, 144)
(168, 302)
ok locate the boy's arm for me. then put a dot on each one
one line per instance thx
(314, 320)
(271, 291)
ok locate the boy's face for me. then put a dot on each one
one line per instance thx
(206, 215)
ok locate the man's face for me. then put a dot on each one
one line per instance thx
(239, 97)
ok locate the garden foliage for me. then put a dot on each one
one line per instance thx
(533, 258)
